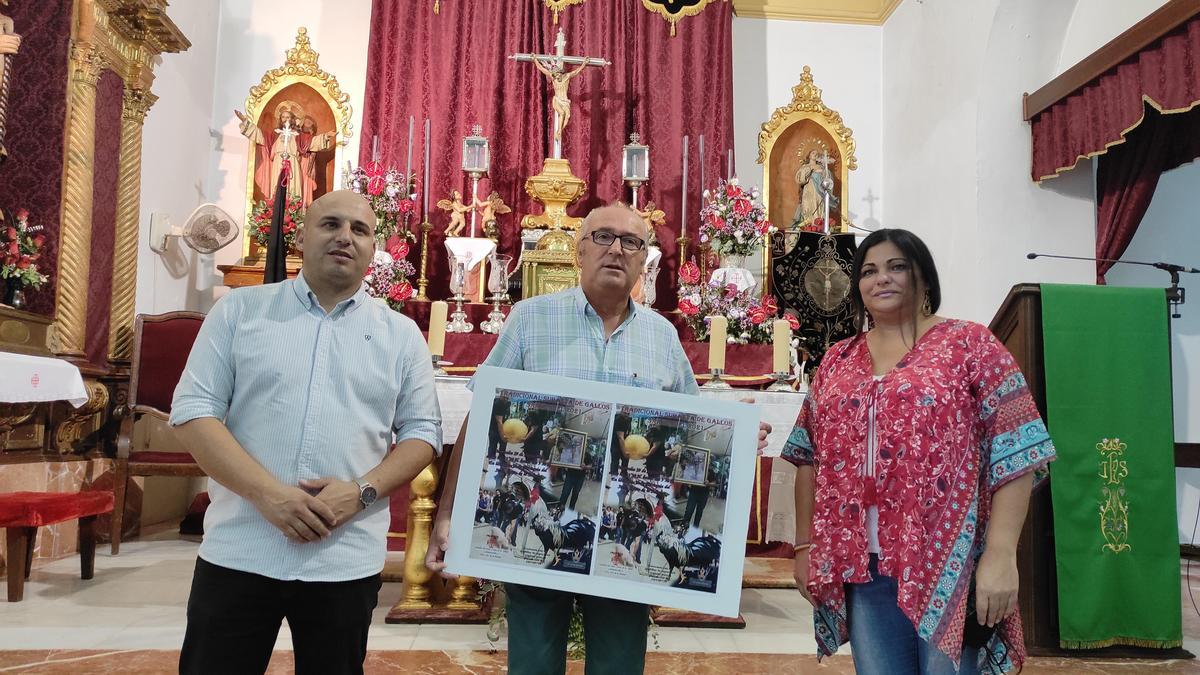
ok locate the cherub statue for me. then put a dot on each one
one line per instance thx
(457, 210)
(491, 206)
(653, 217)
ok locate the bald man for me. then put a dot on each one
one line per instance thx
(292, 396)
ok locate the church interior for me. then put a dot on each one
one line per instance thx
(158, 155)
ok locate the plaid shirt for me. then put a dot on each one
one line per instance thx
(560, 334)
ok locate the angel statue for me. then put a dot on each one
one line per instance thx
(652, 217)
(457, 213)
(488, 209)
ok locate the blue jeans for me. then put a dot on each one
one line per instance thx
(883, 640)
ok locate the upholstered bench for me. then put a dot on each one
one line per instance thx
(22, 513)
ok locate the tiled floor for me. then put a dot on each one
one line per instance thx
(130, 618)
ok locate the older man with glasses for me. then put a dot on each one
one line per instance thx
(591, 332)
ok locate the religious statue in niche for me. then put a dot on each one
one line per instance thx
(815, 184)
(10, 43)
(287, 147)
(457, 210)
(488, 209)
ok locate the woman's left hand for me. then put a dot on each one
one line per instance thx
(996, 581)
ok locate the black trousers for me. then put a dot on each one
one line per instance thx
(233, 619)
(697, 500)
(572, 484)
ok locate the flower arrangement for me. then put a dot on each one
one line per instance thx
(20, 247)
(385, 191)
(749, 315)
(260, 218)
(388, 275)
(733, 220)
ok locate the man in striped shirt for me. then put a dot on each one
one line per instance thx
(292, 396)
(592, 332)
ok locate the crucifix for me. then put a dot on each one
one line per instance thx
(554, 67)
(287, 133)
(826, 186)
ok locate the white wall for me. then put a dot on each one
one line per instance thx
(1168, 234)
(254, 36)
(1094, 23)
(768, 57)
(176, 151)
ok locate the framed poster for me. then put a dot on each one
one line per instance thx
(620, 516)
(691, 466)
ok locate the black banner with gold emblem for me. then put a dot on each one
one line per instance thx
(810, 275)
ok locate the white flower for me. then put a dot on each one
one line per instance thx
(382, 258)
(733, 181)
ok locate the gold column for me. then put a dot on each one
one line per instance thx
(129, 186)
(75, 237)
(420, 524)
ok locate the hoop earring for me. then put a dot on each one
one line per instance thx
(926, 309)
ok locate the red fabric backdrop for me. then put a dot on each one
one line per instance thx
(1102, 112)
(453, 67)
(37, 108)
(110, 91)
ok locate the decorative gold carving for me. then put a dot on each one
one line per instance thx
(465, 595)
(416, 594)
(551, 266)
(870, 12)
(125, 244)
(301, 65)
(807, 104)
(75, 242)
(673, 16)
(145, 22)
(71, 430)
(1114, 509)
(14, 331)
(557, 6)
(556, 188)
(136, 104)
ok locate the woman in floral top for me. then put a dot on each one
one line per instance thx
(916, 452)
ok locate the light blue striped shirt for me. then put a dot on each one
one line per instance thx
(561, 334)
(308, 395)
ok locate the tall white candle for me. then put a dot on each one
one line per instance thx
(683, 197)
(375, 148)
(729, 165)
(718, 329)
(408, 161)
(425, 185)
(702, 186)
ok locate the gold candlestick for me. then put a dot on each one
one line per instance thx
(423, 281)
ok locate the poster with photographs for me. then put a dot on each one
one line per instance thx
(602, 489)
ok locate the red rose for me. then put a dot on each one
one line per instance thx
(407, 206)
(12, 248)
(742, 207)
(22, 214)
(23, 263)
(687, 308)
(793, 322)
(770, 306)
(39, 240)
(689, 273)
(11, 233)
(757, 316)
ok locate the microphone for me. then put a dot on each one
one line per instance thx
(1168, 267)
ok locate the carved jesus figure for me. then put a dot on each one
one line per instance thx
(281, 150)
(559, 79)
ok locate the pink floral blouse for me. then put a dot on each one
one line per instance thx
(954, 422)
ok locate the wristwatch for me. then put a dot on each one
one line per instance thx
(367, 494)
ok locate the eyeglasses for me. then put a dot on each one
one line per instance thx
(629, 242)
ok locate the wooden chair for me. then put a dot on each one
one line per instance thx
(161, 344)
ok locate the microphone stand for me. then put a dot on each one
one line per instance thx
(1175, 294)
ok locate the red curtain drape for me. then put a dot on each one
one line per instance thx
(1127, 175)
(1104, 111)
(453, 68)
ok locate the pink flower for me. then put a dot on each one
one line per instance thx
(731, 291)
(375, 186)
(38, 240)
(757, 316)
(742, 207)
(770, 306)
(687, 308)
(397, 247)
(689, 273)
(793, 322)
(22, 214)
(11, 233)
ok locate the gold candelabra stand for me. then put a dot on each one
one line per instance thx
(423, 280)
